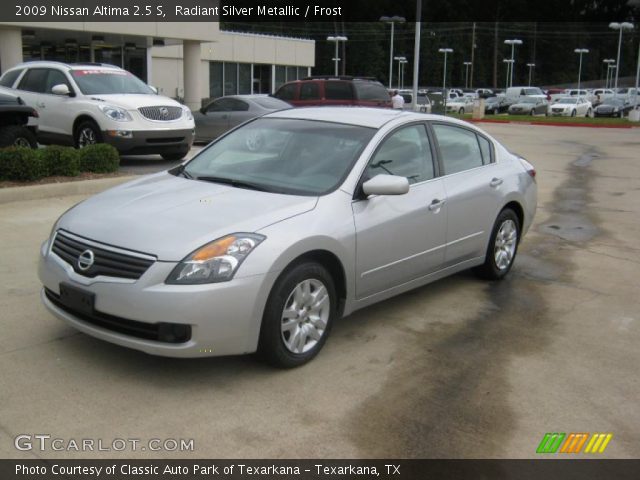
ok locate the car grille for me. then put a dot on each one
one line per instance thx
(161, 113)
(557, 110)
(159, 332)
(108, 261)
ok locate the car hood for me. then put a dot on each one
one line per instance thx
(522, 106)
(170, 217)
(564, 105)
(133, 101)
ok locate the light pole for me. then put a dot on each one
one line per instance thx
(513, 43)
(531, 67)
(580, 51)
(444, 76)
(466, 73)
(508, 62)
(619, 26)
(402, 62)
(608, 61)
(399, 60)
(337, 39)
(635, 102)
(392, 21)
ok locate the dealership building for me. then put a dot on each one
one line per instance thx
(190, 61)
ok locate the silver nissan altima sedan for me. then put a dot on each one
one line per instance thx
(281, 226)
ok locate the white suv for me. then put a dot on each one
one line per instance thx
(82, 104)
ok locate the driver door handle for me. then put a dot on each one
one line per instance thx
(495, 182)
(436, 204)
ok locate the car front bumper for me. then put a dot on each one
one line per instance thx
(223, 318)
(143, 142)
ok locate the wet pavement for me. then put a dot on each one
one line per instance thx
(461, 368)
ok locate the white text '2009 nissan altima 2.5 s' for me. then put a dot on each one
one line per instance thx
(281, 226)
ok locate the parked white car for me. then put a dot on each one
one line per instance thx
(460, 105)
(571, 107)
(84, 104)
(602, 94)
(586, 94)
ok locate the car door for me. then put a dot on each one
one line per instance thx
(239, 112)
(55, 118)
(214, 120)
(472, 183)
(400, 238)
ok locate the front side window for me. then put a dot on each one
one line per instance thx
(54, 78)
(406, 153)
(291, 156)
(371, 91)
(286, 92)
(459, 148)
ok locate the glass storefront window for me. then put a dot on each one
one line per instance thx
(230, 78)
(244, 78)
(216, 79)
(292, 74)
(281, 76)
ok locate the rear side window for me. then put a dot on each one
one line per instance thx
(35, 80)
(9, 78)
(459, 148)
(310, 91)
(371, 91)
(286, 92)
(337, 91)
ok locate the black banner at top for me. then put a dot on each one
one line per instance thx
(251, 11)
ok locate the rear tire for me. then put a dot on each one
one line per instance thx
(17, 136)
(461, 111)
(502, 248)
(298, 316)
(574, 113)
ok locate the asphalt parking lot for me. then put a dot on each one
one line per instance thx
(457, 369)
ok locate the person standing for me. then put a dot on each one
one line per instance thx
(397, 100)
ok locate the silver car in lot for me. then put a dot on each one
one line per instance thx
(281, 226)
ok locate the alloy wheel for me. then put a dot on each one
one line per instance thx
(305, 316)
(505, 244)
(87, 137)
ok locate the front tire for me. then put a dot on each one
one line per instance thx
(17, 136)
(298, 316)
(87, 133)
(461, 111)
(503, 246)
(574, 113)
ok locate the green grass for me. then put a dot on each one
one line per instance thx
(543, 119)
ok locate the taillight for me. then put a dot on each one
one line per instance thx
(530, 169)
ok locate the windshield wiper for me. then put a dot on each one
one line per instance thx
(235, 183)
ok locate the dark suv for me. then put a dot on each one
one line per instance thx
(14, 119)
(365, 92)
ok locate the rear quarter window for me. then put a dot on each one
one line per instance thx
(371, 91)
(9, 78)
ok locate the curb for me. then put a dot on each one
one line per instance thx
(49, 190)
(554, 124)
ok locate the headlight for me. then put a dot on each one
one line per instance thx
(616, 109)
(115, 113)
(186, 113)
(216, 261)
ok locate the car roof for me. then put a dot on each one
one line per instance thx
(70, 66)
(360, 116)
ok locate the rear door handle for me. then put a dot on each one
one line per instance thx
(436, 204)
(495, 182)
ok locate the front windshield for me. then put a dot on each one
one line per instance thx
(613, 101)
(298, 157)
(104, 82)
(568, 100)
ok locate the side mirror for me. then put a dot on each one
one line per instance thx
(203, 110)
(60, 89)
(386, 185)
(155, 89)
